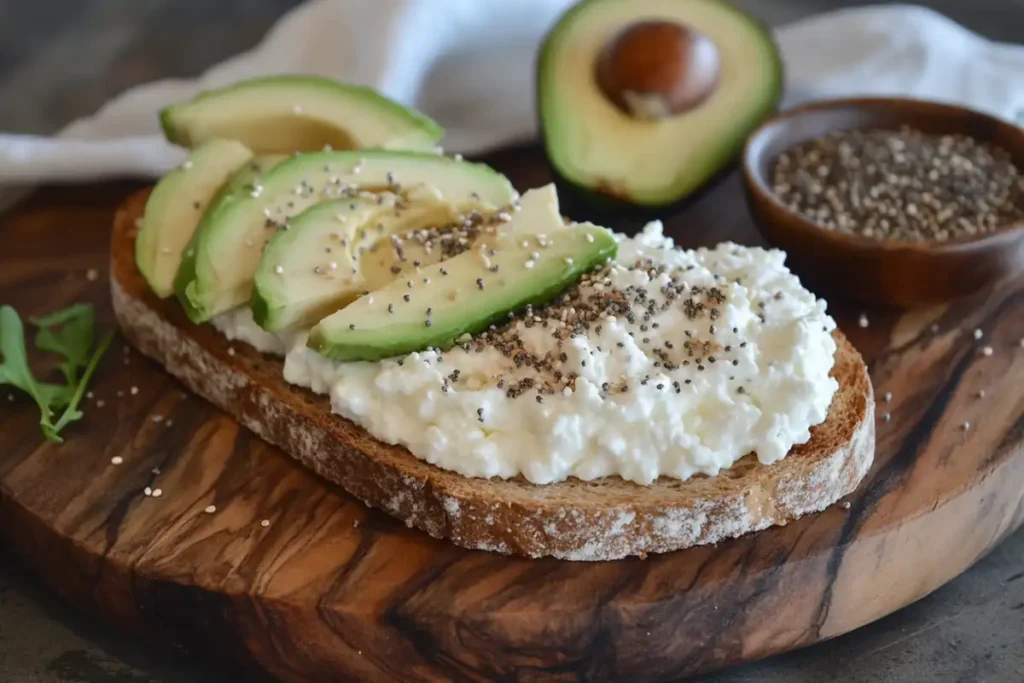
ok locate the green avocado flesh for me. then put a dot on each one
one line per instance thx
(471, 293)
(595, 146)
(216, 274)
(176, 205)
(316, 266)
(285, 114)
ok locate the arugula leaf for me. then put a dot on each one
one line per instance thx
(14, 369)
(72, 413)
(68, 332)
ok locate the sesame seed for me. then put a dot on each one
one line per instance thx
(529, 264)
(886, 417)
(231, 350)
(978, 334)
(297, 109)
(210, 509)
(887, 396)
(100, 403)
(157, 493)
(590, 238)
(986, 351)
(265, 523)
(91, 275)
(965, 426)
(333, 265)
(134, 390)
(863, 320)
(568, 260)
(116, 460)
(278, 269)
(147, 491)
(981, 393)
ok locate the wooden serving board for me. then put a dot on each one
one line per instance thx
(327, 589)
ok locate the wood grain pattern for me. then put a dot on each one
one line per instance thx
(333, 591)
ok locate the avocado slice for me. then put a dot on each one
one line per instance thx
(385, 261)
(645, 152)
(314, 268)
(217, 273)
(285, 114)
(464, 294)
(176, 205)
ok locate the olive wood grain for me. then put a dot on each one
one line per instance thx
(329, 590)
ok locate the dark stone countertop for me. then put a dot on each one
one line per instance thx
(60, 59)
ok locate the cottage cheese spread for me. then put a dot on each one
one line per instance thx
(715, 353)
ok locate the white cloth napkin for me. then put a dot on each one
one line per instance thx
(469, 64)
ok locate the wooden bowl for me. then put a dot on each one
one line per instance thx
(902, 274)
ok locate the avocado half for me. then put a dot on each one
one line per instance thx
(596, 146)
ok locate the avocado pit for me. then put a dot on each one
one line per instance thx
(657, 69)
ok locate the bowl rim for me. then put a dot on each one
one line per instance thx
(756, 183)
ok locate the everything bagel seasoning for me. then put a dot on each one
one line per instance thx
(901, 185)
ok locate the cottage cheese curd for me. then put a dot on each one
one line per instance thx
(668, 389)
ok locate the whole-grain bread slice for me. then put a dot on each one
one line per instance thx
(574, 520)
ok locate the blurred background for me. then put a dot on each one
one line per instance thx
(61, 59)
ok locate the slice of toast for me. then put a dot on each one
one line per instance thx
(574, 520)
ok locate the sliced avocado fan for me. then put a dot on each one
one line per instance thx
(176, 205)
(285, 114)
(647, 152)
(217, 270)
(467, 293)
(314, 268)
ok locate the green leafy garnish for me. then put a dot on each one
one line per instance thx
(68, 332)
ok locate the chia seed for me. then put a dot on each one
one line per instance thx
(901, 185)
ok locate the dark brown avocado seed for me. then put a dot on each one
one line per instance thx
(656, 69)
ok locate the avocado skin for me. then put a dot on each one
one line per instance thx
(589, 203)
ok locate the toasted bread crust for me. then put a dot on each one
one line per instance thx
(574, 520)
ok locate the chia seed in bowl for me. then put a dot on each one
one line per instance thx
(891, 201)
(901, 185)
